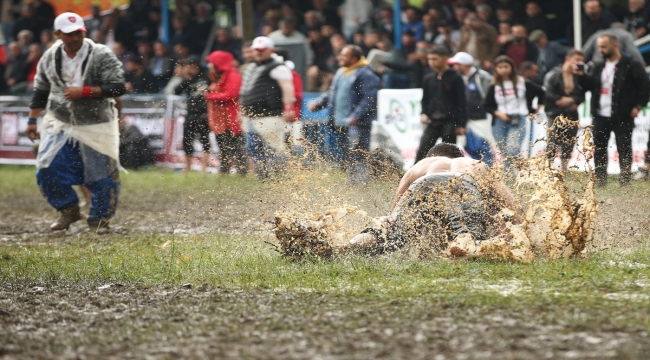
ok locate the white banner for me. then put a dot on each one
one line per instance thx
(398, 112)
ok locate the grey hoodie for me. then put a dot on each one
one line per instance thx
(101, 68)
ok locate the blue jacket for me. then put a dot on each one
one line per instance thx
(363, 95)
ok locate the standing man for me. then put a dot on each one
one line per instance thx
(519, 49)
(594, 18)
(77, 80)
(267, 100)
(352, 100)
(563, 96)
(479, 128)
(444, 106)
(636, 19)
(195, 85)
(551, 53)
(480, 40)
(620, 89)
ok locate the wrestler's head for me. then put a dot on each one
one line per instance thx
(446, 150)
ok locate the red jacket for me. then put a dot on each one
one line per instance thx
(297, 87)
(223, 95)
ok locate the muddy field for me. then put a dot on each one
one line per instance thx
(56, 317)
(127, 322)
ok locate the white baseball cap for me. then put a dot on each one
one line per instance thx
(69, 22)
(461, 58)
(262, 43)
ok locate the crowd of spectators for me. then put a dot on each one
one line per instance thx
(523, 30)
(529, 36)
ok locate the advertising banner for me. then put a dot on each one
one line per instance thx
(398, 113)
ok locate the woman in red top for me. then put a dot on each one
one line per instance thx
(223, 111)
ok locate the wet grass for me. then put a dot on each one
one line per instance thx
(223, 295)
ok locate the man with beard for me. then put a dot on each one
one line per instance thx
(520, 49)
(352, 100)
(620, 88)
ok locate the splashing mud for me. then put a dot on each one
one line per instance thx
(558, 223)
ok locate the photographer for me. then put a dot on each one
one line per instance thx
(563, 95)
(620, 89)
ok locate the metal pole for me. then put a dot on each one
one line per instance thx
(397, 24)
(239, 15)
(164, 8)
(248, 32)
(577, 25)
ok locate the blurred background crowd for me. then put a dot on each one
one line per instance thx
(482, 28)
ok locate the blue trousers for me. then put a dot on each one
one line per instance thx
(67, 169)
(264, 157)
(509, 138)
(343, 148)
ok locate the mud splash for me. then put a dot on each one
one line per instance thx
(558, 222)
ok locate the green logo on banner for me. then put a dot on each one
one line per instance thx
(397, 116)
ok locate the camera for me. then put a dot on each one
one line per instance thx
(514, 119)
(580, 66)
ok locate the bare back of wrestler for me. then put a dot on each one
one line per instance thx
(447, 200)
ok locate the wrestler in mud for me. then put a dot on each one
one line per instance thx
(446, 204)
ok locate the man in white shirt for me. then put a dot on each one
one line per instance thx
(620, 88)
(77, 81)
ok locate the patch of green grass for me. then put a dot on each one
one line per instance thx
(603, 281)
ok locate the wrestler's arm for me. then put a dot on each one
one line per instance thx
(498, 190)
(411, 175)
(504, 196)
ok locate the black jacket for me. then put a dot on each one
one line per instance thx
(416, 69)
(631, 88)
(554, 86)
(446, 97)
(194, 89)
(532, 91)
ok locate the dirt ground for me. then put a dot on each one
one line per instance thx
(128, 322)
(114, 321)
